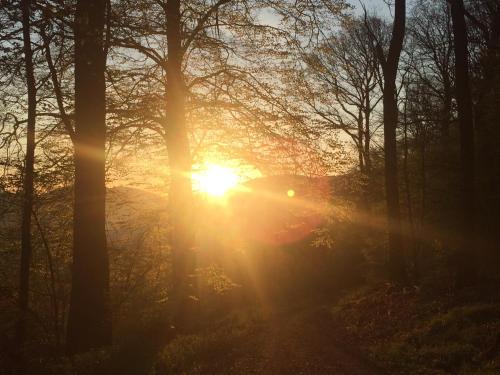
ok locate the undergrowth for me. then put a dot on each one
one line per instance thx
(410, 332)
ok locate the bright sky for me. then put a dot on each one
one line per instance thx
(217, 177)
(379, 7)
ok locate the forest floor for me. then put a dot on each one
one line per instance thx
(371, 330)
(425, 330)
(299, 341)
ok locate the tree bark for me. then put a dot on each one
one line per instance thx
(89, 321)
(466, 260)
(26, 248)
(180, 168)
(366, 146)
(367, 135)
(406, 177)
(390, 67)
(361, 149)
(446, 112)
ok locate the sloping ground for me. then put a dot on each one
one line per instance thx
(418, 331)
(303, 342)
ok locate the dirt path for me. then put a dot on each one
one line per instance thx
(301, 343)
(291, 341)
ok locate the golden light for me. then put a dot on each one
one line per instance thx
(290, 193)
(215, 180)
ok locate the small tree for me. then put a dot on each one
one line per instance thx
(26, 248)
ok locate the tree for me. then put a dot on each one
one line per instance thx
(89, 320)
(346, 94)
(196, 65)
(26, 247)
(467, 260)
(179, 156)
(430, 33)
(389, 65)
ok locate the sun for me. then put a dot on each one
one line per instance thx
(215, 180)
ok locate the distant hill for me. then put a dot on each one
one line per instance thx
(283, 209)
(341, 186)
(264, 205)
(131, 213)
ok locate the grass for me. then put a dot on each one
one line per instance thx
(409, 332)
(405, 331)
(212, 350)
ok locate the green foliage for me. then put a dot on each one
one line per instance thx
(411, 333)
(196, 353)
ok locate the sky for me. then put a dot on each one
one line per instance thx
(378, 6)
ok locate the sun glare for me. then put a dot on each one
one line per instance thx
(215, 180)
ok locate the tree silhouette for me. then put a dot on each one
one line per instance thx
(89, 319)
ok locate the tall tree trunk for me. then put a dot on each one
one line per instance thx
(466, 265)
(361, 149)
(366, 152)
(409, 204)
(89, 321)
(390, 68)
(446, 112)
(26, 248)
(423, 190)
(180, 168)
(367, 135)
